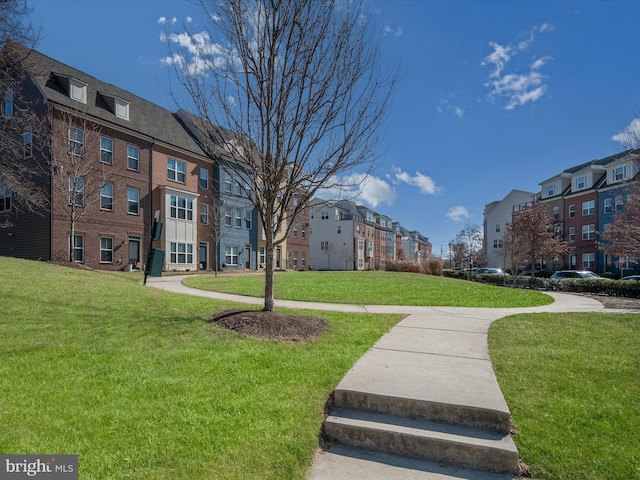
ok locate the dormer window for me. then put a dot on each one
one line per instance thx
(118, 106)
(77, 90)
(620, 173)
(581, 182)
(551, 190)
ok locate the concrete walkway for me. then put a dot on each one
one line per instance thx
(423, 402)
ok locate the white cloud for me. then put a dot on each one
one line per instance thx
(359, 187)
(203, 54)
(426, 184)
(445, 103)
(389, 30)
(516, 88)
(458, 214)
(630, 133)
(189, 19)
(162, 20)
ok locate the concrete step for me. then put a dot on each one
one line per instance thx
(467, 415)
(437, 442)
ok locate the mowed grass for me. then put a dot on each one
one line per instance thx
(571, 382)
(373, 288)
(141, 385)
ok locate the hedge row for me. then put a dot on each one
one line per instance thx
(428, 267)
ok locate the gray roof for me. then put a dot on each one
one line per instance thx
(145, 118)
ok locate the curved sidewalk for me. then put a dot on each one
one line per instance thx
(433, 366)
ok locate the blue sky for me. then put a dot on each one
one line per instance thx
(496, 95)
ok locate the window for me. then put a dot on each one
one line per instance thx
(324, 215)
(238, 218)
(358, 229)
(295, 202)
(133, 201)
(8, 104)
(227, 217)
(106, 150)
(295, 230)
(551, 190)
(227, 183)
(581, 182)
(27, 143)
(588, 208)
(238, 187)
(556, 210)
(588, 232)
(588, 260)
(620, 173)
(76, 141)
(78, 248)
(106, 196)
(262, 256)
(572, 233)
(497, 228)
(106, 250)
(608, 205)
(231, 255)
(303, 259)
(497, 243)
(204, 213)
(181, 208)
(76, 190)
(572, 211)
(176, 170)
(303, 231)
(247, 219)
(295, 259)
(5, 199)
(181, 253)
(619, 203)
(77, 90)
(204, 178)
(133, 158)
(324, 245)
(121, 108)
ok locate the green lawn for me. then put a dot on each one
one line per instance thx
(372, 288)
(140, 385)
(571, 383)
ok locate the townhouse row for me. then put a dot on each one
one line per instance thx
(117, 162)
(583, 201)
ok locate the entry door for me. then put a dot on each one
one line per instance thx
(134, 250)
(203, 256)
(278, 259)
(247, 263)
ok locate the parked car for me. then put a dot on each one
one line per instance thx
(562, 274)
(489, 271)
(632, 277)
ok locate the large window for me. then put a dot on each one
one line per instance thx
(497, 243)
(133, 201)
(106, 196)
(106, 250)
(176, 170)
(238, 218)
(204, 178)
(181, 253)
(231, 255)
(588, 208)
(133, 158)
(588, 260)
(76, 190)
(588, 232)
(247, 219)
(204, 213)
(106, 150)
(181, 207)
(572, 211)
(5, 199)
(78, 248)
(76, 141)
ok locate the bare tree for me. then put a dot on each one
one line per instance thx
(469, 242)
(347, 256)
(23, 132)
(622, 237)
(299, 85)
(534, 236)
(328, 249)
(78, 176)
(215, 211)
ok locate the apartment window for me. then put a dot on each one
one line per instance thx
(247, 219)
(572, 233)
(181, 253)
(238, 187)
(231, 255)
(588, 232)
(581, 182)
(358, 229)
(262, 256)
(78, 248)
(497, 243)
(228, 184)
(572, 211)
(76, 190)
(8, 104)
(176, 170)
(133, 158)
(76, 141)
(5, 199)
(227, 217)
(106, 150)
(238, 218)
(608, 205)
(133, 201)
(27, 143)
(78, 90)
(339, 228)
(303, 231)
(204, 213)
(106, 250)
(204, 178)
(324, 216)
(588, 208)
(303, 259)
(106, 196)
(497, 228)
(551, 190)
(324, 245)
(620, 173)
(588, 260)
(181, 208)
(295, 259)
(556, 210)
(619, 203)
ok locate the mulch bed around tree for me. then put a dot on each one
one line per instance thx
(271, 325)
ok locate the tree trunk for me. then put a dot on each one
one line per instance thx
(269, 303)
